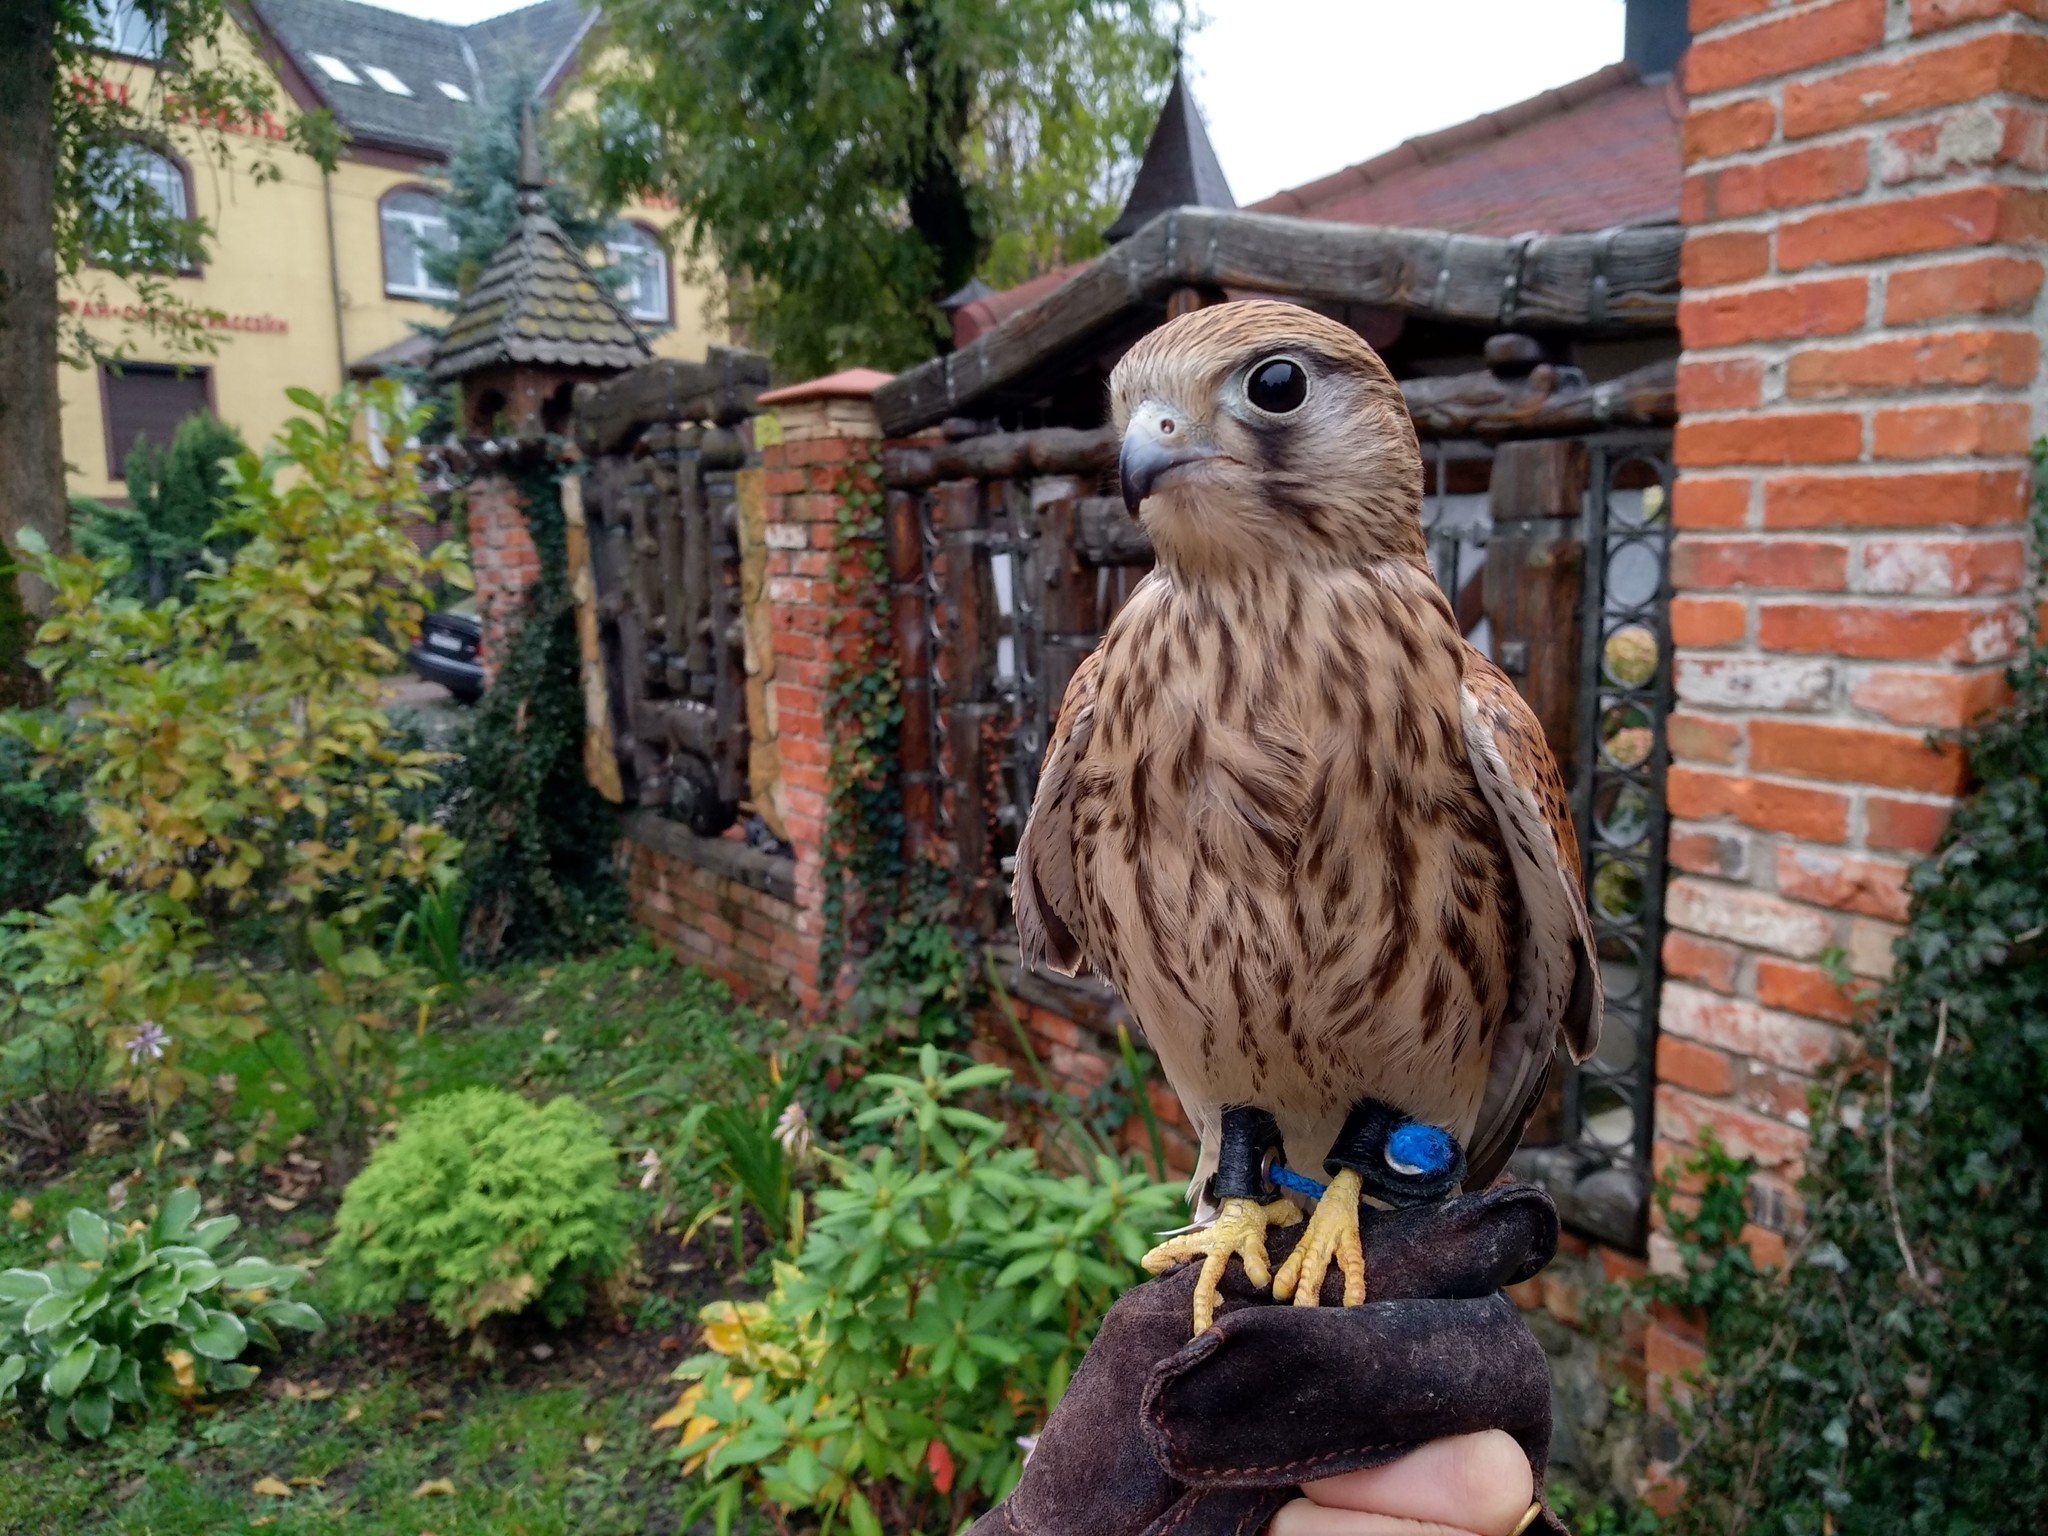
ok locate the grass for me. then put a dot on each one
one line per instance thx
(389, 1427)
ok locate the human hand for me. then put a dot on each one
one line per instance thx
(1212, 1436)
(1466, 1485)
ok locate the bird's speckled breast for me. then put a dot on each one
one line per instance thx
(1281, 847)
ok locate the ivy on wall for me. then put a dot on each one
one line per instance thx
(540, 863)
(889, 918)
(1893, 1376)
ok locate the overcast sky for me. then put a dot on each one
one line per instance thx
(1295, 89)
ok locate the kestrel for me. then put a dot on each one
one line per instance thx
(1313, 837)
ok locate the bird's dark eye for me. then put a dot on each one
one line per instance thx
(1276, 386)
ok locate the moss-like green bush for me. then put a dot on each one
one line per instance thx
(482, 1205)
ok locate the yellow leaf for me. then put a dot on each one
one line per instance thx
(309, 1482)
(593, 1443)
(22, 1209)
(271, 1487)
(180, 1362)
(355, 1411)
(435, 1488)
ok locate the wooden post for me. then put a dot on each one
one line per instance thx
(967, 680)
(1535, 572)
(910, 619)
(1072, 618)
(600, 758)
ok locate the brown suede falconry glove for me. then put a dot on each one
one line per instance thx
(1158, 1433)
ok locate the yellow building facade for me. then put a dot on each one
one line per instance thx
(314, 276)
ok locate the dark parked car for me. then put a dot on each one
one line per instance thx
(446, 652)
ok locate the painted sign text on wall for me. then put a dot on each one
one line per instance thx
(197, 319)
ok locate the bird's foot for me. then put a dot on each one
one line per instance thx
(1332, 1235)
(1240, 1229)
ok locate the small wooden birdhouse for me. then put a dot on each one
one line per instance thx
(537, 323)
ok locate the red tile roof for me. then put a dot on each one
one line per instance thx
(1597, 152)
(848, 383)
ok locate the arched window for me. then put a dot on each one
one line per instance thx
(414, 226)
(637, 251)
(141, 197)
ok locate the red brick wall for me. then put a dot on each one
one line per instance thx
(764, 945)
(1858, 389)
(502, 559)
(743, 936)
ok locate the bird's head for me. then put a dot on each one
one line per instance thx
(1257, 432)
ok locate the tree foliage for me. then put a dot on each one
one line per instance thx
(480, 191)
(850, 162)
(176, 494)
(1891, 1377)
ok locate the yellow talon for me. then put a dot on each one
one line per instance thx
(1332, 1233)
(1239, 1228)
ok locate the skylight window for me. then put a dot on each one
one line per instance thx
(452, 92)
(388, 80)
(334, 69)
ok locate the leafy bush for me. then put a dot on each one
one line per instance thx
(481, 1206)
(42, 830)
(1890, 1378)
(141, 1316)
(239, 769)
(176, 495)
(946, 1288)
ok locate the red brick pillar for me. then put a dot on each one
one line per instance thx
(501, 558)
(815, 437)
(1860, 321)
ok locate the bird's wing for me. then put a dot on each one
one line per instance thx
(1557, 972)
(1047, 901)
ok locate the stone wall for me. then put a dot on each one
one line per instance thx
(1859, 387)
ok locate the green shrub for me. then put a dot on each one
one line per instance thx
(176, 494)
(140, 1316)
(482, 1205)
(946, 1288)
(241, 776)
(42, 830)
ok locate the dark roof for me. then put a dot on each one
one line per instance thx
(538, 302)
(534, 42)
(1618, 282)
(1599, 152)
(1180, 168)
(414, 351)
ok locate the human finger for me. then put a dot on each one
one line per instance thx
(1480, 1482)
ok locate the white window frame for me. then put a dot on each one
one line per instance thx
(335, 70)
(634, 257)
(118, 26)
(423, 231)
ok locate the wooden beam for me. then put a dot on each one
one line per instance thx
(600, 757)
(721, 389)
(1546, 402)
(1614, 282)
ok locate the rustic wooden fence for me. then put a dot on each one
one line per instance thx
(661, 505)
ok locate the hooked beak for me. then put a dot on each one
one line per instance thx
(1158, 439)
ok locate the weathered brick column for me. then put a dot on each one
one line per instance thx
(1858, 390)
(718, 904)
(502, 560)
